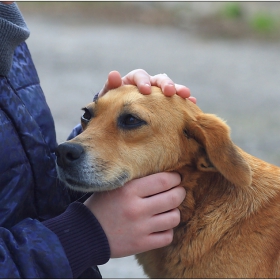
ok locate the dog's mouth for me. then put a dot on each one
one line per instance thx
(91, 181)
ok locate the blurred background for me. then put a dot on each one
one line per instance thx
(227, 53)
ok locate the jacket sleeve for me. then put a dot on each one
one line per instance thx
(61, 247)
(31, 250)
(82, 237)
(76, 131)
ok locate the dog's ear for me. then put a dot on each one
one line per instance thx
(220, 152)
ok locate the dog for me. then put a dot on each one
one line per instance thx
(230, 218)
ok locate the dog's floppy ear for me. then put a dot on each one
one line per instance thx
(221, 154)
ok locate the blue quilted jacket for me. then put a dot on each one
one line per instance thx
(30, 194)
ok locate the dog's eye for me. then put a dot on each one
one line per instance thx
(87, 115)
(129, 121)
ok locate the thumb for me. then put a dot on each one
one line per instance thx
(114, 81)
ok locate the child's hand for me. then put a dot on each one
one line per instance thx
(141, 215)
(144, 81)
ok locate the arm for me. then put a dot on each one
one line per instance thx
(62, 247)
(82, 238)
(30, 250)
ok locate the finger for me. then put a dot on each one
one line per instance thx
(156, 183)
(165, 83)
(164, 202)
(114, 81)
(182, 91)
(139, 78)
(165, 221)
(159, 239)
(168, 89)
(192, 99)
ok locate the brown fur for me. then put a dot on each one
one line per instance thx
(230, 219)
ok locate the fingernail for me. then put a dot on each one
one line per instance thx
(171, 84)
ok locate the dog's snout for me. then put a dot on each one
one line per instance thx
(68, 153)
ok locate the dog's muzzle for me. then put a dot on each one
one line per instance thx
(82, 172)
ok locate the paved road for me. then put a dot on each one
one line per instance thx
(237, 80)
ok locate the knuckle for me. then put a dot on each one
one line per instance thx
(175, 198)
(165, 239)
(141, 71)
(174, 218)
(165, 180)
(168, 237)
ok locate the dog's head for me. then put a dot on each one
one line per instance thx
(128, 135)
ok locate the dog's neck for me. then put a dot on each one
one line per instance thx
(202, 190)
(209, 194)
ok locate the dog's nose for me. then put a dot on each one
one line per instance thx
(68, 153)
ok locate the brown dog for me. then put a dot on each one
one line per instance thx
(230, 219)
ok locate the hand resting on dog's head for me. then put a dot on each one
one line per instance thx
(144, 81)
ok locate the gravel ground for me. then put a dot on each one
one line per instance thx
(236, 79)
